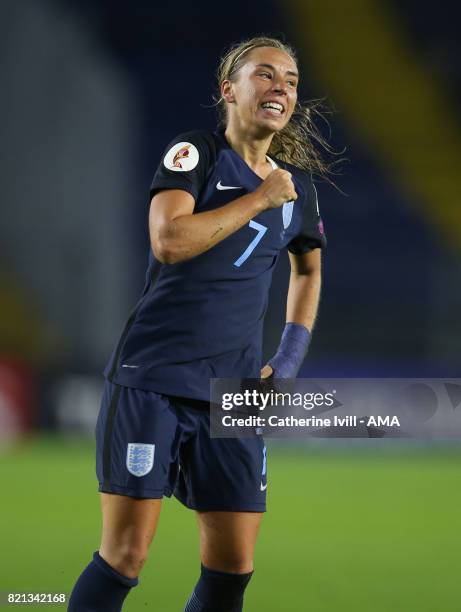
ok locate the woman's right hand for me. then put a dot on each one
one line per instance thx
(277, 188)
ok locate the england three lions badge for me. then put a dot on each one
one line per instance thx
(140, 458)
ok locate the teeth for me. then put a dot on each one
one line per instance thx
(273, 106)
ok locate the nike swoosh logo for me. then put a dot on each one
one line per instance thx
(263, 487)
(220, 187)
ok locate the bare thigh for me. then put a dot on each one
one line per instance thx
(227, 540)
(128, 527)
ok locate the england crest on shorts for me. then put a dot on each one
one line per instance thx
(140, 458)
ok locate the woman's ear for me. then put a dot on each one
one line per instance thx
(226, 91)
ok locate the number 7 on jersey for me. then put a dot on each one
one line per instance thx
(261, 229)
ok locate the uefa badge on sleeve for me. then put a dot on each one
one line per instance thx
(140, 458)
(182, 157)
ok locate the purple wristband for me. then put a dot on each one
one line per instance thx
(291, 352)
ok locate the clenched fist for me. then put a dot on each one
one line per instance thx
(277, 188)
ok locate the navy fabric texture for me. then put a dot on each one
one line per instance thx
(100, 588)
(291, 352)
(149, 445)
(203, 318)
(218, 592)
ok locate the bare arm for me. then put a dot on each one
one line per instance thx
(304, 288)
(303, 292)
(177, 234)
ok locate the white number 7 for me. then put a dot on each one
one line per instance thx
(261, 229)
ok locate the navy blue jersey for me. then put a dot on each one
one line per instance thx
(203, 318)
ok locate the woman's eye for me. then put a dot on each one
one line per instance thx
(265, 74)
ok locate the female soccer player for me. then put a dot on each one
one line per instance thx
(223, 205)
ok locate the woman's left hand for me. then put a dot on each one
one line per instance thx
(266, 371)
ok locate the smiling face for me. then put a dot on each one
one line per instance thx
(261, 97)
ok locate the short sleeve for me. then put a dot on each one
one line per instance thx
(184, 164)
(311, 234)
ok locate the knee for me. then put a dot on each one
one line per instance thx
(127, 559)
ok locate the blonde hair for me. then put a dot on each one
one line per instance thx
(298, 142)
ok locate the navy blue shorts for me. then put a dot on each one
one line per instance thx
(149, 445)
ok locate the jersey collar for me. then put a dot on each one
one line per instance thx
(220, 134)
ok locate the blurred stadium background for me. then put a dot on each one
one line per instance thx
(91, 93)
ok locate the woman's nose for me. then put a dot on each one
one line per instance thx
(280, 86)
